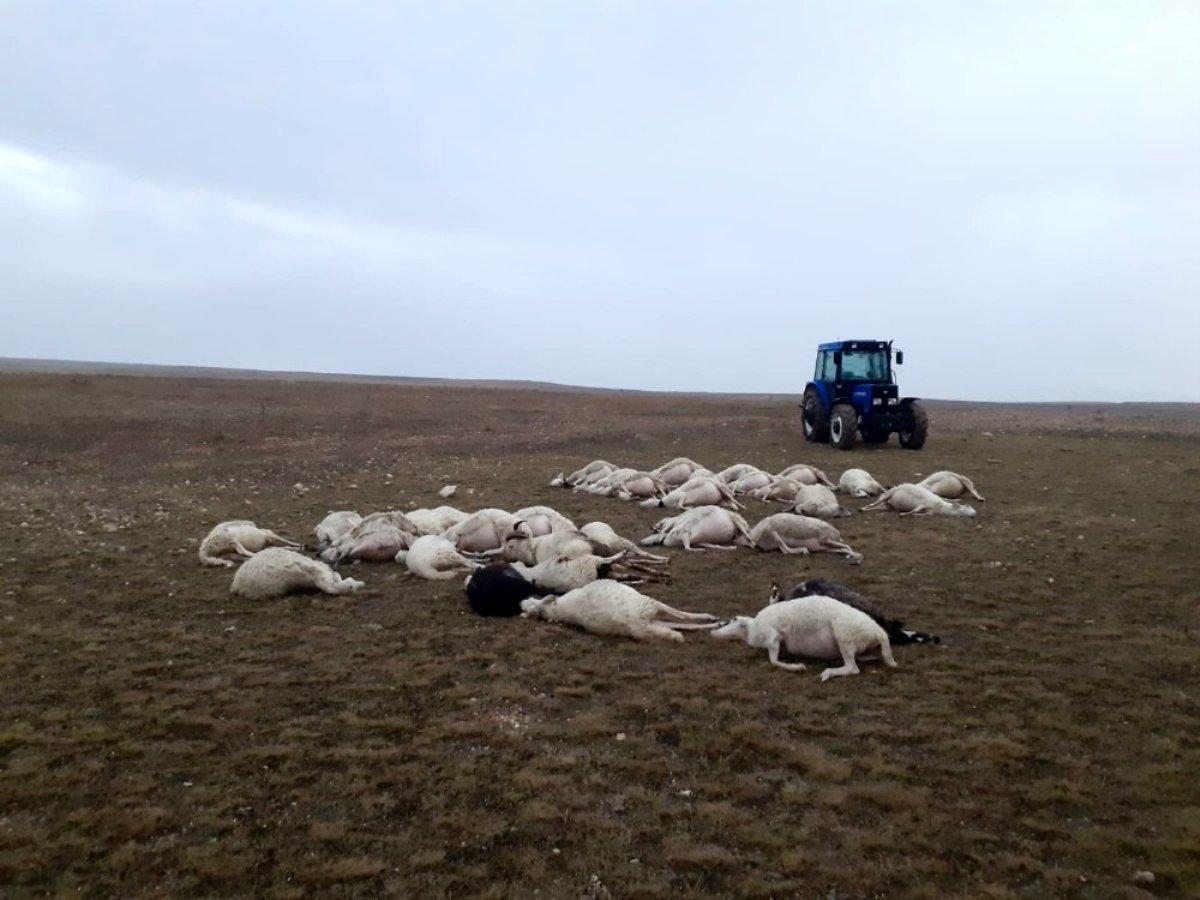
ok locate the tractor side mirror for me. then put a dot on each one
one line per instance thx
(899, 357)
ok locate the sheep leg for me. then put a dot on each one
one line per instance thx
(681, 615)
(918, 511)
(210, 560)
(691, 626)
(273, 538)
(332, 583)
(773, 655)
(849, 665)
(715, 547)
(784, 548)
(843, 549)
(237, 546)
(643, 555)
(657, 631)
(970, 486)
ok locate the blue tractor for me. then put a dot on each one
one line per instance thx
(854, 392)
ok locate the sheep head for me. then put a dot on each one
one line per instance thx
(735, 629)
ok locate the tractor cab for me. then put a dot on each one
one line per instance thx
(854, 391)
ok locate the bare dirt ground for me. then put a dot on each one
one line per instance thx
(159, 737)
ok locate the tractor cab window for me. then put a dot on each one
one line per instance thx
(865, 365)
(826, 367)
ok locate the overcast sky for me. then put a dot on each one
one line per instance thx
(636, 194)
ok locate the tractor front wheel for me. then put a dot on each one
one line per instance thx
(914, 432)
(843, 426)
(816, 417)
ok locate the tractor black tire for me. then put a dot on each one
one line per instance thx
(876, 437)
(814, 418)
(913, 436)
(843, 426)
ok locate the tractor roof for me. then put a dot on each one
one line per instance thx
(854, 345)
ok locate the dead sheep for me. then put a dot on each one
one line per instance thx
(434, 558)
(914, 500)
(592, 472)
(751, 481)
(677, 471)
(806, 474)
(377, 538)
(703, 528)
(819, 501)
(950, 485)
(275, 572)
(436, 520)
(896, 632)
(543, 520)
(699, 490)
(334, 526)
(230, 542)
(816, 627)
(481, 531)
(800, 535)
(610, 608)
(628, 484)
(732, 473)
(859, 483)
(605, 542)
(496, 591)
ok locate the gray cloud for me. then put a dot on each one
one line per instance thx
(640, 196)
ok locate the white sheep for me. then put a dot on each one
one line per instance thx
(520, 545)
(434, 558)
(817, 500)
(798, 535)
(806, 474)
(732, 473)
(377, 538)
(950, 485)
(859, 483)
(677, 471)
(592, 472)
(605, 542)
(914, 500)
(481, 531)
(628, 484)
(702, 528)
(782, 490)
(816, 627)
(561, 574)
(608, 607)
(334, 526)
(237, 539)
(699, 490)
(543, 520)
(436, 520)
(752, 481)
(276, 571)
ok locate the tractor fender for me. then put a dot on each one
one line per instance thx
(822, 391)
(906, 402)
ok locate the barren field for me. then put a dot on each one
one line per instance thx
(158, 737)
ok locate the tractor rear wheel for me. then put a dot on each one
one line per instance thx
(843, 426)
(914, 432)
(815, 416)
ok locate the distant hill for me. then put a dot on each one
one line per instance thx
(19, 366)
(83, 367)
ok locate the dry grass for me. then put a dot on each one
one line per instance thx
(159, 736)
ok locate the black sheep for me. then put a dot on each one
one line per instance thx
(497, 590)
